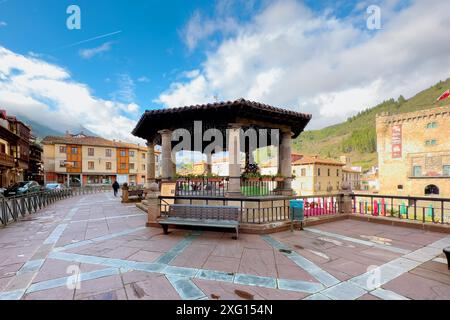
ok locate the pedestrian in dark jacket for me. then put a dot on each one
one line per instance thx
(116, 188)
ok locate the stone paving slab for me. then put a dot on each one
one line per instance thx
(93, 247)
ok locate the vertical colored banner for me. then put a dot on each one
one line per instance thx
(396, 141)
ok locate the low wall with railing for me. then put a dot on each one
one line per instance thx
(260, 210)
(12, 208)
(421, 209)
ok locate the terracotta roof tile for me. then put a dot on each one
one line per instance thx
(306, 159)
(90, 141)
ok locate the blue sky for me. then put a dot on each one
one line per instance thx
(302, 55)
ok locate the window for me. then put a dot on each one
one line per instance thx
(417, 171)
(62, 149)
(123, 153)
(90, 165)
(131, 166)
(108, 153)
(131, 153)
(446, 170)
(337, 173)
(431, 142)
(62, 163)
(318, 172)
(143, 167)
(108, 166)
(400, 187)
(432, 125)
(431, 190)
(74, 150)
(143, 156)
(303, 172)
(75, 164)
(90, 152)
(123, 166)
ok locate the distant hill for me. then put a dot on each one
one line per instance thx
(356, 137)
(41, 131)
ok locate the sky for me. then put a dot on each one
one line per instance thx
(318, 57)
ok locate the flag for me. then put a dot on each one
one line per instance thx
(443, 96)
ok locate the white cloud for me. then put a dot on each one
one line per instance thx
(292, 57)
(91, 52)
(126, 88)
(46, 93)
(143, 79)
(3, 24)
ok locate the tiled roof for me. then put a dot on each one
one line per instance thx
(90, 141)
(317, 160)
(217, 113)
(240, 101)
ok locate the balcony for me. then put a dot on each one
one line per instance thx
(6, 160)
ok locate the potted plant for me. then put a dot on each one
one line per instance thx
(213, 178)
(251, 177)
(278, 178)
(196, 178)
(266, 178)
(180, 178)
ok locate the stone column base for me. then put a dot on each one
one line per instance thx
(153, 210)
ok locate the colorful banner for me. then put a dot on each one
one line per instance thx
(396, 141)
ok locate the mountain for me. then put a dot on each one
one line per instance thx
(356, 137)
(40, 131)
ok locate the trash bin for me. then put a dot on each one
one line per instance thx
(297, 210)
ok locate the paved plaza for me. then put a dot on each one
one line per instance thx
(94, 247)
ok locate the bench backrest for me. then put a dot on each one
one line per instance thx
(135, 192)
(204, 212)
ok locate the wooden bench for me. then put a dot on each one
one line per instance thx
(136, 194)
(202, 216)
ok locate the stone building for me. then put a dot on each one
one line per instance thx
(414, 153)
(316, 176)
(14, 149)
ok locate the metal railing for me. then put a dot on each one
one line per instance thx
(217, 187)
(423, 209)
(261, 188)
(201, 187)
(260, 210)
(12, 208)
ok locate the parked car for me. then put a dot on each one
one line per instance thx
(21, 188)
(75, 182)
(55, 186)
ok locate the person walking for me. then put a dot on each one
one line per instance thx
(116, 188)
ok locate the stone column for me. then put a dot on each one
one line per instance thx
(209, 163)
(234, 158)
(166, 155)
(151, 170)
(153, 209)
(345, 202)
(285, 161)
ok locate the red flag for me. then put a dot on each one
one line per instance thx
(443, 96)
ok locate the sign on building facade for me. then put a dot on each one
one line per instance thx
(396, 141)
